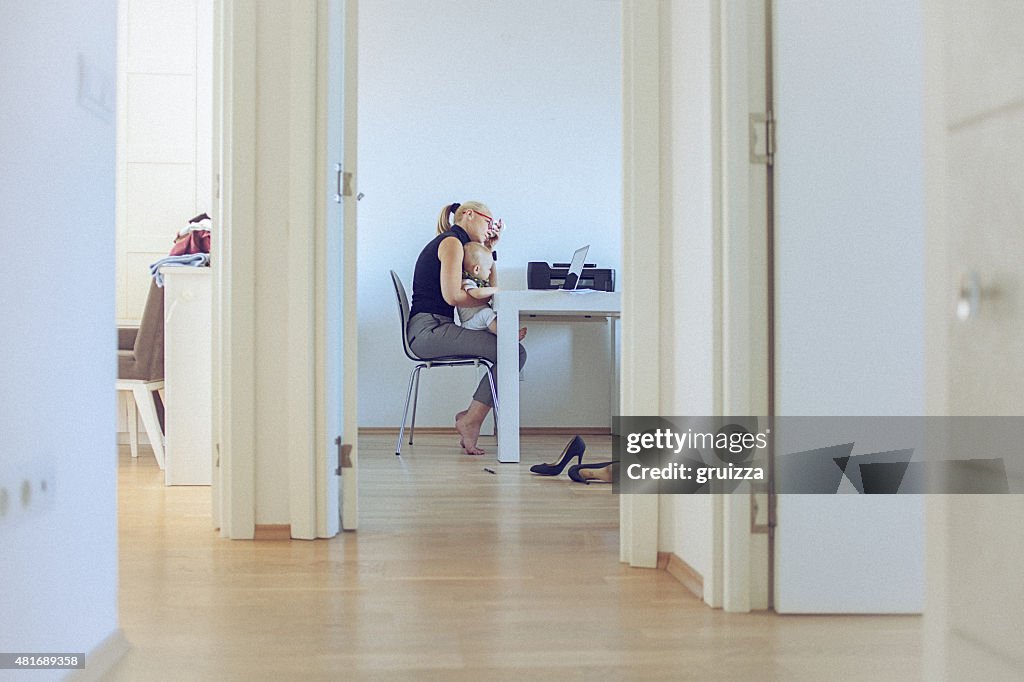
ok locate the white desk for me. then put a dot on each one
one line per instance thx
(510, 305)
(188, 366)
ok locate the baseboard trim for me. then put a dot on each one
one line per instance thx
(272, 531)
(526, 430)
(102, 659)
(683, 572)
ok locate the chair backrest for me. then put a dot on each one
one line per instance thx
(403, 314)
(149, 342)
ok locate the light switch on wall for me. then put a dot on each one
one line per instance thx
(25, 493)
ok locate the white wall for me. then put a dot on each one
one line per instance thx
(516, 104)
(165, 71)
(59, 557)
(688, 129)
(850, 283)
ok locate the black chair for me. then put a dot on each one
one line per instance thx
(427, 363)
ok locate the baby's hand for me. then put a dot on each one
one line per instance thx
(482, 293)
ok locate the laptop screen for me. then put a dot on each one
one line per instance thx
(576, 268)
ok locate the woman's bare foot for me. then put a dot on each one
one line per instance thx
(458, 416)
(522, 333)
(468, 434)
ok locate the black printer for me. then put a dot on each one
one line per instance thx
(543, 276)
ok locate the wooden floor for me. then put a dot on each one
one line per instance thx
(455, 573)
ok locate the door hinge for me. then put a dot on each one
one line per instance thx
(762, 138)
(757, 528)
(343, 183)
(344, 456)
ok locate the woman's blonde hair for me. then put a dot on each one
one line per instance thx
(443, 223)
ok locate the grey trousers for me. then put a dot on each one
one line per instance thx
(435, 336)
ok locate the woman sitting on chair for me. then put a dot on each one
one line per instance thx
(437, 290)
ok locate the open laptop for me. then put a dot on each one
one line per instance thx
(572, 279)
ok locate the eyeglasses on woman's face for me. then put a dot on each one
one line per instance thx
(489, 219)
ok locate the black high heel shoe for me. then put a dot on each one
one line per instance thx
(574, 471)
(575, 449)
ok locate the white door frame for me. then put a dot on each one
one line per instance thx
(646, 27)
(235, 270)
(304, 141)
(641, 302)
(216, 138)
(311, 462)
(338, 30)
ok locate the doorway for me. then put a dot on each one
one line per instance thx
(531, 133)
(244, 432)
(692, 189)
(165, 179)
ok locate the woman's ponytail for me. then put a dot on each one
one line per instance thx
(443, 222)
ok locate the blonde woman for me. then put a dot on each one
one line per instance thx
(437, 291)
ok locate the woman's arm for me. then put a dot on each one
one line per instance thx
(450, 252)
(491, 242)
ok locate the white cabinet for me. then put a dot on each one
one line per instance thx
(188, 395)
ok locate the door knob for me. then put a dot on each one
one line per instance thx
(968, 298)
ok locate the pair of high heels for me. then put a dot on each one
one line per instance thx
(575, 448)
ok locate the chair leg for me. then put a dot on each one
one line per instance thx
(415, 400)
(147, 408)
(494, 398)
(494, 393)
(132, 424)
(405, 413)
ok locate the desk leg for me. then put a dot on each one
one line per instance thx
(508, 384)
(613, 399)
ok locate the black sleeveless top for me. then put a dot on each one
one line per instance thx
(426, 279)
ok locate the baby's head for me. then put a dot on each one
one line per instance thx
(477, 260)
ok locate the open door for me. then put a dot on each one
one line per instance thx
(973, 95)
(848, 286)
(747, 159)
(337, 468)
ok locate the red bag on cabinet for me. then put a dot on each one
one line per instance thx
(196, 241)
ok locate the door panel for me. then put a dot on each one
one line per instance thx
(338, 498)
(977, 227)
(986, 215)
(849, 293)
